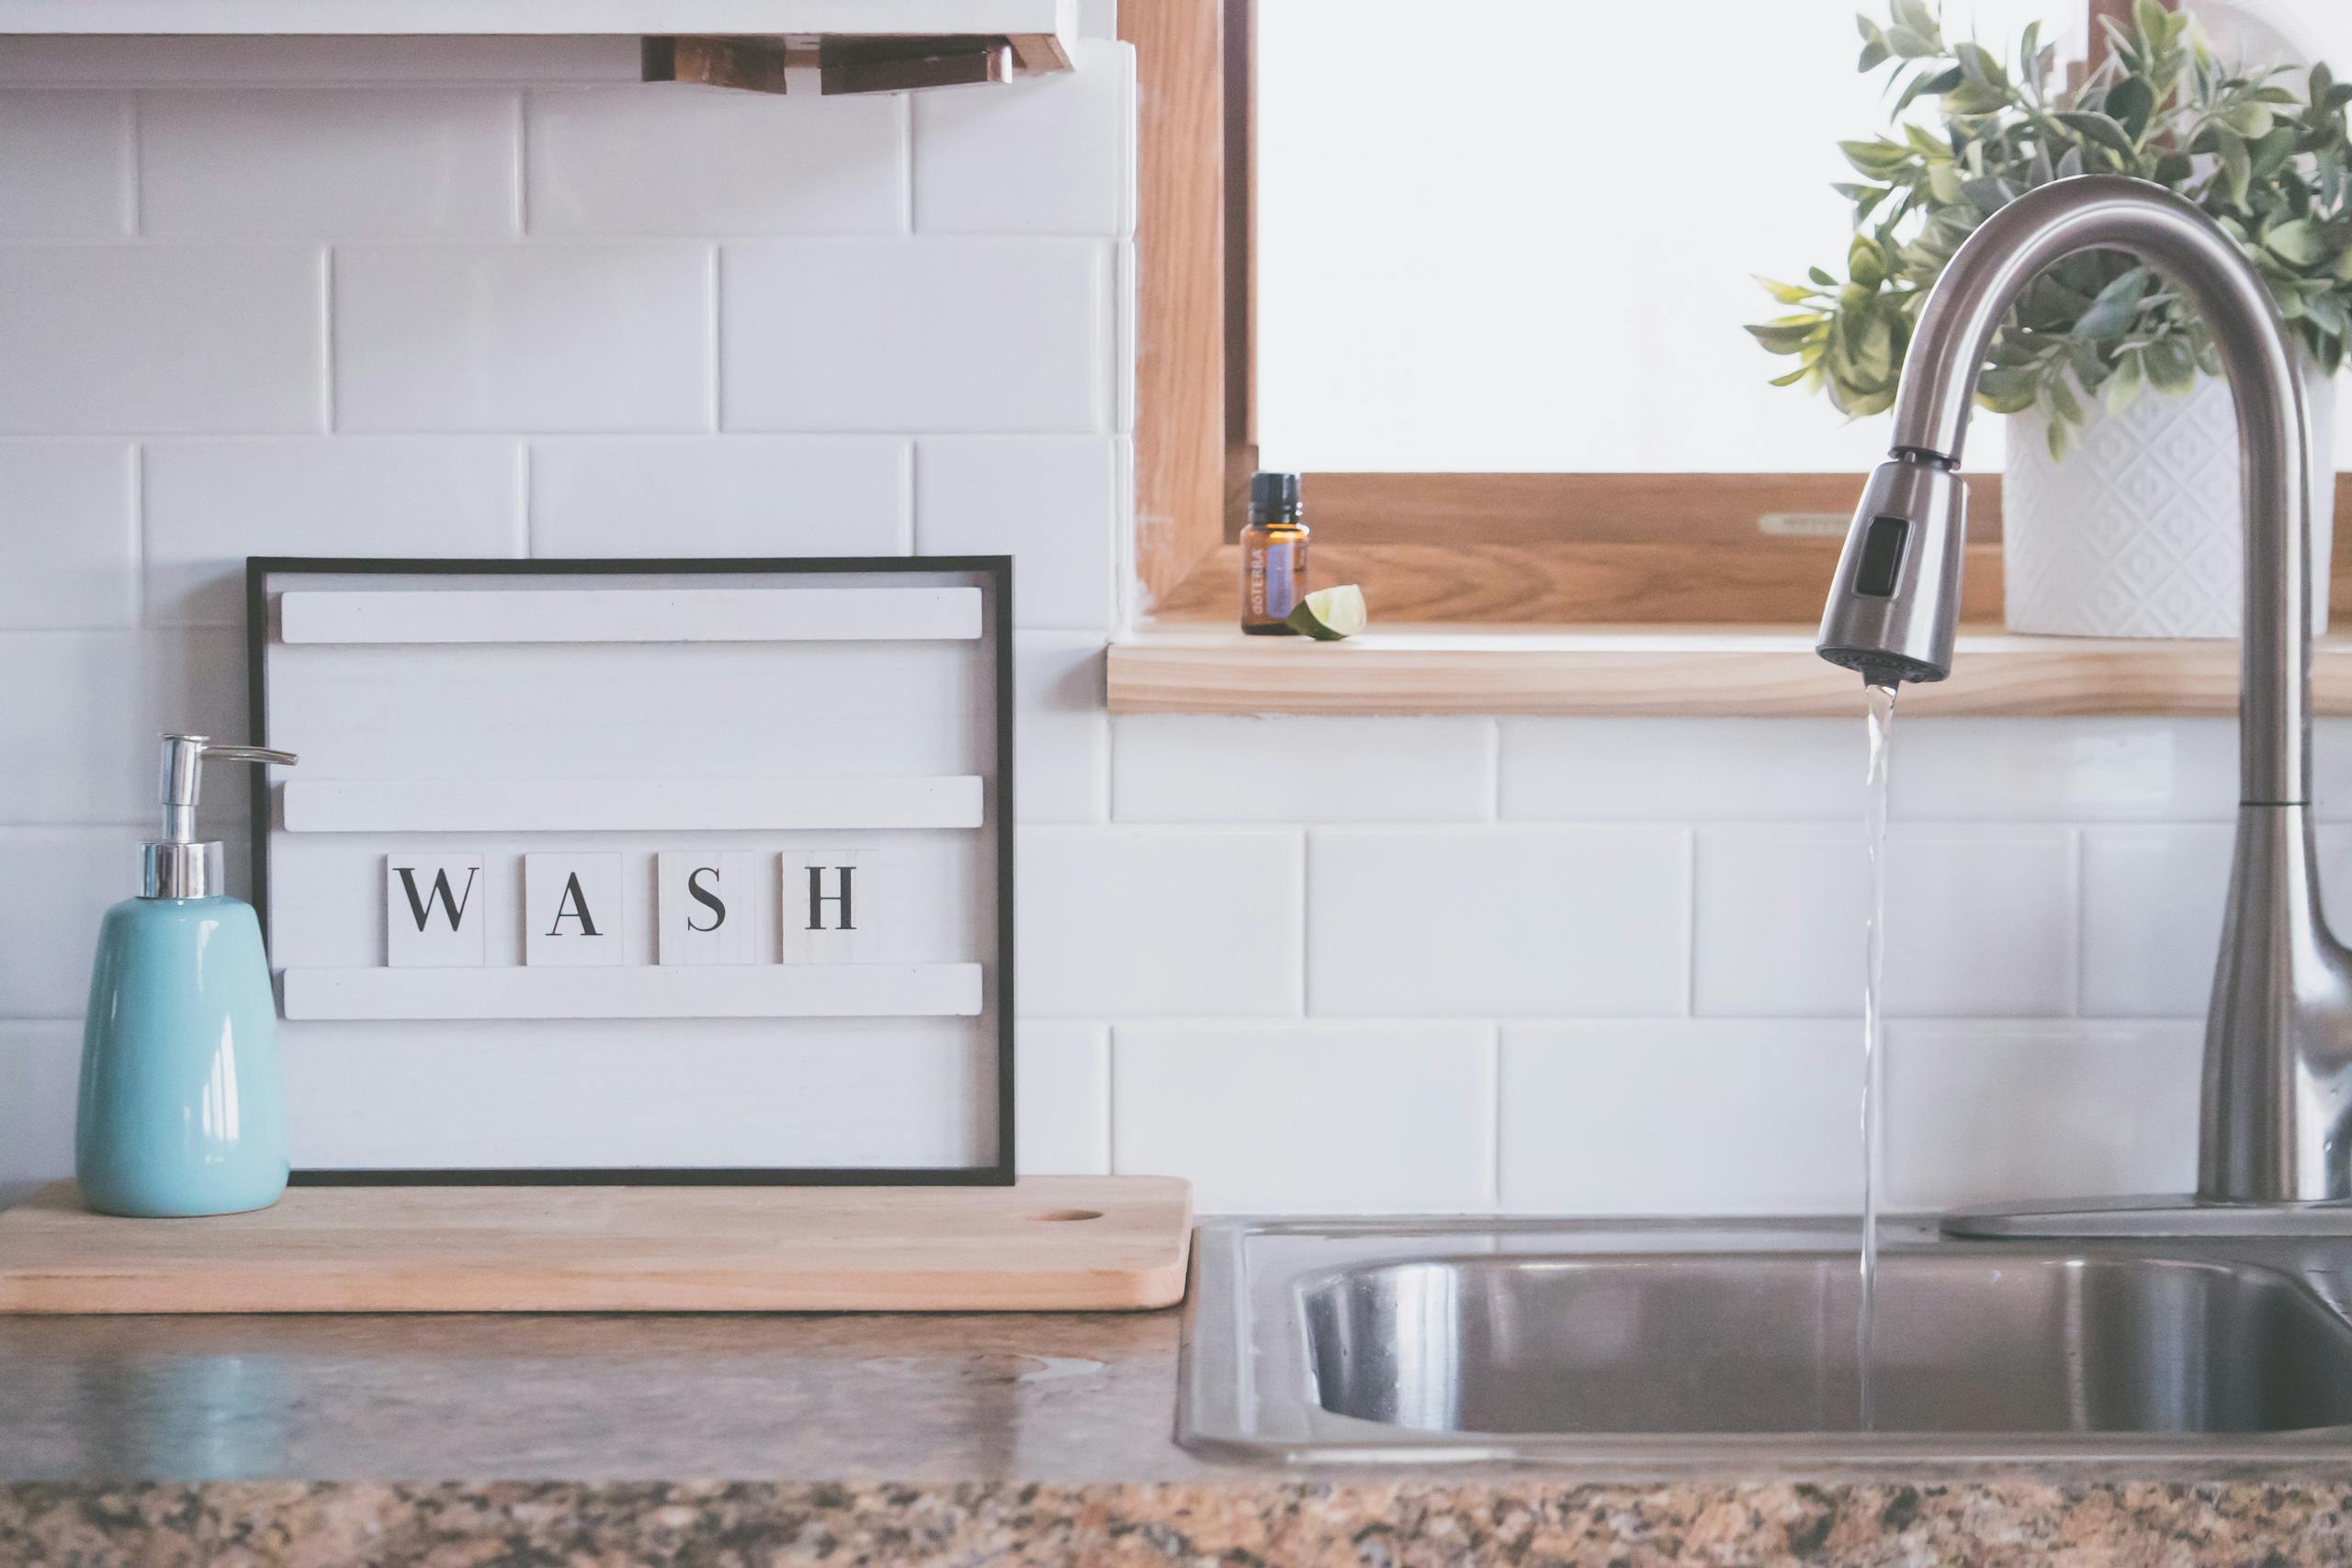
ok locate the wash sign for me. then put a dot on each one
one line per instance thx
(697, 868)
(828, 905)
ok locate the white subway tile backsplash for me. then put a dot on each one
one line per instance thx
(920, 311)
(1996, 1113)
(719, 495)
(65, 164)
(211, 503)
(2152, 918)
(1178, 768)
(39, 1073)
(2062, 770)
(1979, 924)
(1061, 741)
(46, 938)
(572, 337)
(1777, 927)
(1681, 1117)
(1046, 500)
(1062, 1086)
(328, 164)
(69, 533)
(1762, 1117)
(1055, 155)
(121, 339)
(84, 708)
(682, 160)
(1274, 1118)
(1496, 922)
(924, 336)
(1670, 769)
(1124, 923)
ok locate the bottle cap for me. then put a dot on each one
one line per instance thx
(1273, 495)
(178, 864)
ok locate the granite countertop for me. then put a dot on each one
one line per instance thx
(910, 1440)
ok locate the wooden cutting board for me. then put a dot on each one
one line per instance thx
(1046, 1244)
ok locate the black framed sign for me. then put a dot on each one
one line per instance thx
(640, 871)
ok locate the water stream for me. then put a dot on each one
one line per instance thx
(1881, 700)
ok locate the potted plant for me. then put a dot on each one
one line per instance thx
(2120, 507)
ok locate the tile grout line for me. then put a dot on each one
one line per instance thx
(1110, 1098)
(1494, 738)
(134, 200)
(139, 548)
(1120, 477)
(1493, 1193)
(1304, 1008)
(1214, 1022)
(526, 480)
(905, 117)
(715, 393)
(1106, 779)
(521, 210)
(2076, 848)
(1114, 318)
(910, 464)
(327, 347)
(1690, 922)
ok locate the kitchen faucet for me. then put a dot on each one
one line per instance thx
(2277, 1108)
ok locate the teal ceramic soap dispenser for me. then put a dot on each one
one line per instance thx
(182, 1107)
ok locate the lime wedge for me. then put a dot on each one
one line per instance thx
(1329, 613)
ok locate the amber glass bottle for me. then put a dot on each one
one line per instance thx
(1273, 556)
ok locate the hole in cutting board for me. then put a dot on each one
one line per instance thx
(1068, 1214)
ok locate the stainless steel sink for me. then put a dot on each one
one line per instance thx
(1499, 1340)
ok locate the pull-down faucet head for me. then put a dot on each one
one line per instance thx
(1897, 596)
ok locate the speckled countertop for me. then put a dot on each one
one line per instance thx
(947, 1441)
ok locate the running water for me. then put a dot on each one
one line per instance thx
(1882, 723)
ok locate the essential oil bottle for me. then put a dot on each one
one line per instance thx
(1273, 557)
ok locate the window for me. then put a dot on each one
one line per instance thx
(1541, 261)
(1486, 282)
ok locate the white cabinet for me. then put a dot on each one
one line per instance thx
(859, 45)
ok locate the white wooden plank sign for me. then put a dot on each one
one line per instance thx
(621, 615)
(628, 808)
(550, 805)
(835, 990)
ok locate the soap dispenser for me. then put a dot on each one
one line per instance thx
(182, 1107)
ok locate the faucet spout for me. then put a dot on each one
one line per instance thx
(2275, 1120)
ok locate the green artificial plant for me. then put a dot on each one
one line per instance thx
(2267, 162)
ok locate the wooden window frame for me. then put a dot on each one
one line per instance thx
(1431, 549)
(1187, 200)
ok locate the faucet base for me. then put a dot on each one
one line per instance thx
(2158, 1218)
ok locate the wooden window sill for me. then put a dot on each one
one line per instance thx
(1764, 672)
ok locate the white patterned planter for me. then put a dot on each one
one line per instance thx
(2136, 532)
